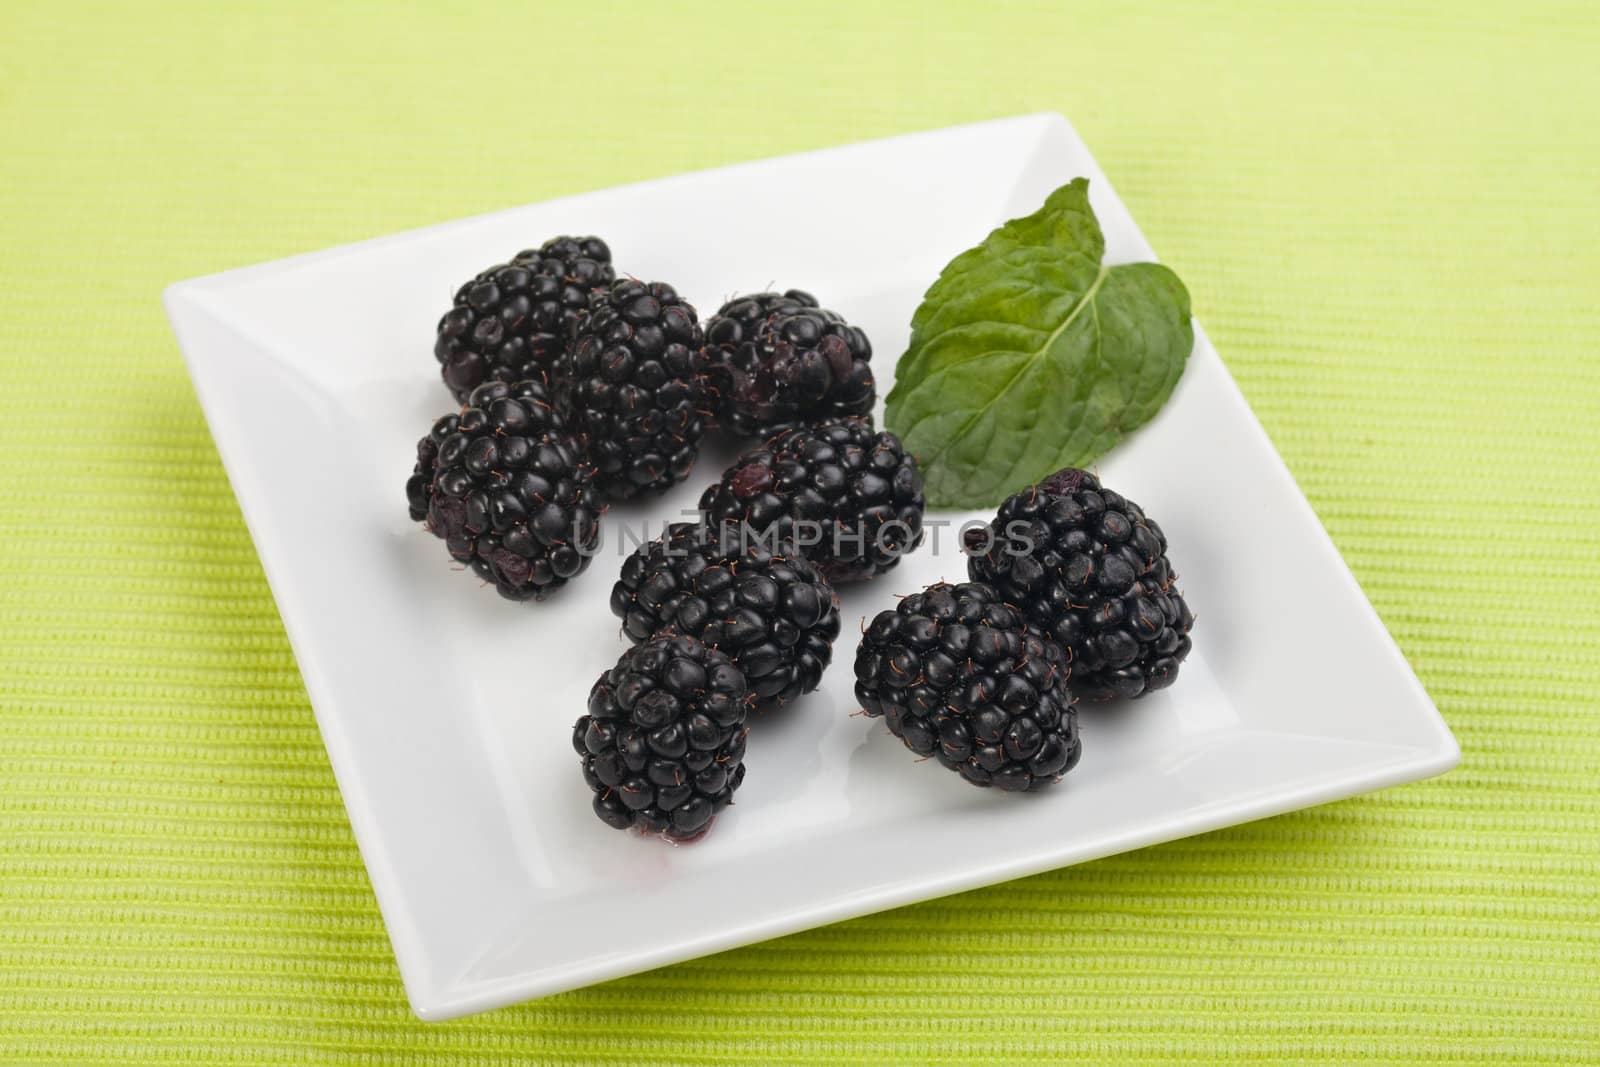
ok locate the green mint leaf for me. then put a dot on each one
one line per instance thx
(1029, 354)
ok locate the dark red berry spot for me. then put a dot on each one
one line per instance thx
(751, 480)
(1063, 482)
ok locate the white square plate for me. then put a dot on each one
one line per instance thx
(447, 711)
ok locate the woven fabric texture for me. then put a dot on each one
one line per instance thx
(1387, 216)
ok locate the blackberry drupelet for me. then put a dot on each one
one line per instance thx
(777, 359)
(768, 609)
(514, 320)
(636, 393)
(960, 675)
(848, 495)
(1090, 567)
(663, 742)
(504, 486)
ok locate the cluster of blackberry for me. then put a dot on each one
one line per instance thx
(634, 384)
(960, 675)
(662, 742)
(825, 498)
(621, 360)
(512, 321)
(762, 616)
(1071, 596)
(777, 360)
(1090, 569)
(817, 503)
(502, 484)
(577, 388)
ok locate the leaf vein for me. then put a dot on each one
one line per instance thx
(1029, 363)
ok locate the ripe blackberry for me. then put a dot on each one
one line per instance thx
(637, 397)
(1088, 566)
(768, 609)
(513, 321)
(849, 496)
(958, 674)
(503, 485)
(776, 359)
(663, 742)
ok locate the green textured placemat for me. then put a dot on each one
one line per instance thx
(1387, 215)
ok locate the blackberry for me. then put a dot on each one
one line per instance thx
(777, 359)
(637, 397)
(768, 609)
(1090, 567)
(849, 496)
(513, 321)
(663, 742)
(504, 486)
(960, 675)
